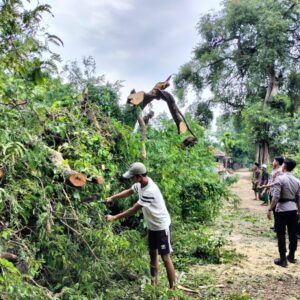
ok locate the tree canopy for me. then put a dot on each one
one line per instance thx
(248, 53)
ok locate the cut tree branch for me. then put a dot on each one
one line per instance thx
(142, 99)
(87, 110)
(143, 131)
(76, 179)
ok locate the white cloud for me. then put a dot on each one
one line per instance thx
(139, 41)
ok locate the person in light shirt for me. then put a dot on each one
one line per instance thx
(277, 171)
(156, 216)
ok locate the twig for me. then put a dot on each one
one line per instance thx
(202, 287)
(48, 292)
(180, 287)
(83, 239)
(72, 208)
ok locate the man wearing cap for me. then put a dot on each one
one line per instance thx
(155, 214)
(286, 201)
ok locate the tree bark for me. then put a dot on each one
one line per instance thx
(9, 256)
(262, 152)
(190, 141)
(142, 99)
(76, 179)
(257, 156)
(143, 131)
(262, 148)
(98, 179)
(273, 84)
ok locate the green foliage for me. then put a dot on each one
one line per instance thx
(69, 247)
(14, 285)
(297, 170)
(202, 113)
(243, 49)
(244, 296)
(194, 191)
(242, 151)
(20, 48)
(107, 98)
(279, 129)
(194, 242)
(187, 76)
(228, 142)
(71, 252)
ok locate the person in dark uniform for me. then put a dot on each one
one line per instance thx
(286, 201)
(263, 194)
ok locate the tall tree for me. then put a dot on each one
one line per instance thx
(245, 55)
(23, 40)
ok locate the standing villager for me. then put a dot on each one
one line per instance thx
(286, 201)
(255, 179)
(277, 171)
(263, 195)
(156, 216)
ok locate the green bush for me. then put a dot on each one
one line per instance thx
(65, 241)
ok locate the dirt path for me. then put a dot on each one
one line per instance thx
(243, 189)
(252, 271)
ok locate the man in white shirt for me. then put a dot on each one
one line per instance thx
(155, 214)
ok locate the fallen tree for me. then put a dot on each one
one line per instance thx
(142, 100)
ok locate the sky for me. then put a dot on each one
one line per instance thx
(138, 41)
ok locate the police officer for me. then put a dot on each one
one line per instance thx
(286, 201)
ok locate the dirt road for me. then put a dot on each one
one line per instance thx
(252, 271)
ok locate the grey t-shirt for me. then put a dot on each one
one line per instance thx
(286, 186)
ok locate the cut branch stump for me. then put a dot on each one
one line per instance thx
(98, 179)
(76, 179)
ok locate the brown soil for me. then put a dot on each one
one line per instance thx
(253, 272)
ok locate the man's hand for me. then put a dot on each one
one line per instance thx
(110, 218)
(269, 215)
(109, 200)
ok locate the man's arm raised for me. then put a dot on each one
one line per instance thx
(123, 194)
(127, 213)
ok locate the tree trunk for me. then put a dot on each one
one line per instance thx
(262, 147)
(262, 153)
(273, 83)
(257, 156)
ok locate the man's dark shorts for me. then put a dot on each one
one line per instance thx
(160, 240)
